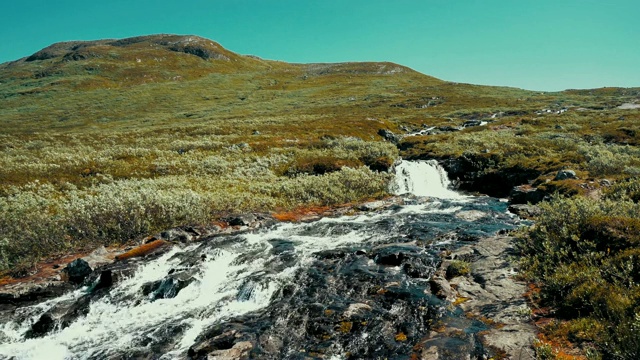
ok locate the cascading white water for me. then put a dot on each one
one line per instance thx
(219, 293)
(423, 178)
(225, 286)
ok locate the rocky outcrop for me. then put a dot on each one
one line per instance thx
(389, 136)
(526, 194)
(490, 292)
(479, 174)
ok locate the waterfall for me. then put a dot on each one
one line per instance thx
(423, 178)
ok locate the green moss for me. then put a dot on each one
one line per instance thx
(458, 268)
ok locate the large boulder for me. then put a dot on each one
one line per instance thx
(526, 194)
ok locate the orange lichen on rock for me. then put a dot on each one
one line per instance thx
(301, 213)
(220, 224)
(345, 327)
(401, 337)
(142, 250)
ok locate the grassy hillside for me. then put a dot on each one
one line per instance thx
(184, 115)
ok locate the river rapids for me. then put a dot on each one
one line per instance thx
(351, 287)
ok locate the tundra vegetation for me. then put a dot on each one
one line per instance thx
(105, 142)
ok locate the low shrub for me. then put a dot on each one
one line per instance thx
(39, 220)
(584, 254)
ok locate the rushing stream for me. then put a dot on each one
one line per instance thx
(347, 287)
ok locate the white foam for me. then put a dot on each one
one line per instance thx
(423, 178)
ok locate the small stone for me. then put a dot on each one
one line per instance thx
(471, 123)
(178, 235)
(77, 271)
(525, 211)
(356, 308)
(372, 205)
(470, 215)
(98, 257)
(239, 351)
(430, 353)
(565, 174)
(242, 220)
(442, 289)
(389, 135)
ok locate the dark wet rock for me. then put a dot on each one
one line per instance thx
(477, 173)
(390, 257)
(250, 220)
(179, 235)
(60, 316)
(21, 294)
(526, 194)
(168, 287)
(105, 276)
(242, 220)
(105, 280)
(389, 136)
(418, 267)
(525, 211)
(408, 257)
(41, 327)
(217, 338)
(565, 174)
(77, 270)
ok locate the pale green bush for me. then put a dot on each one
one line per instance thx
(603, 160)
(37, 220)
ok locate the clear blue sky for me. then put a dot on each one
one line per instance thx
(538, 45)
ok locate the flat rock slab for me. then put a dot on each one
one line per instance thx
(493, 293)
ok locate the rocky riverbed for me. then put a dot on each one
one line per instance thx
(412, 277)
